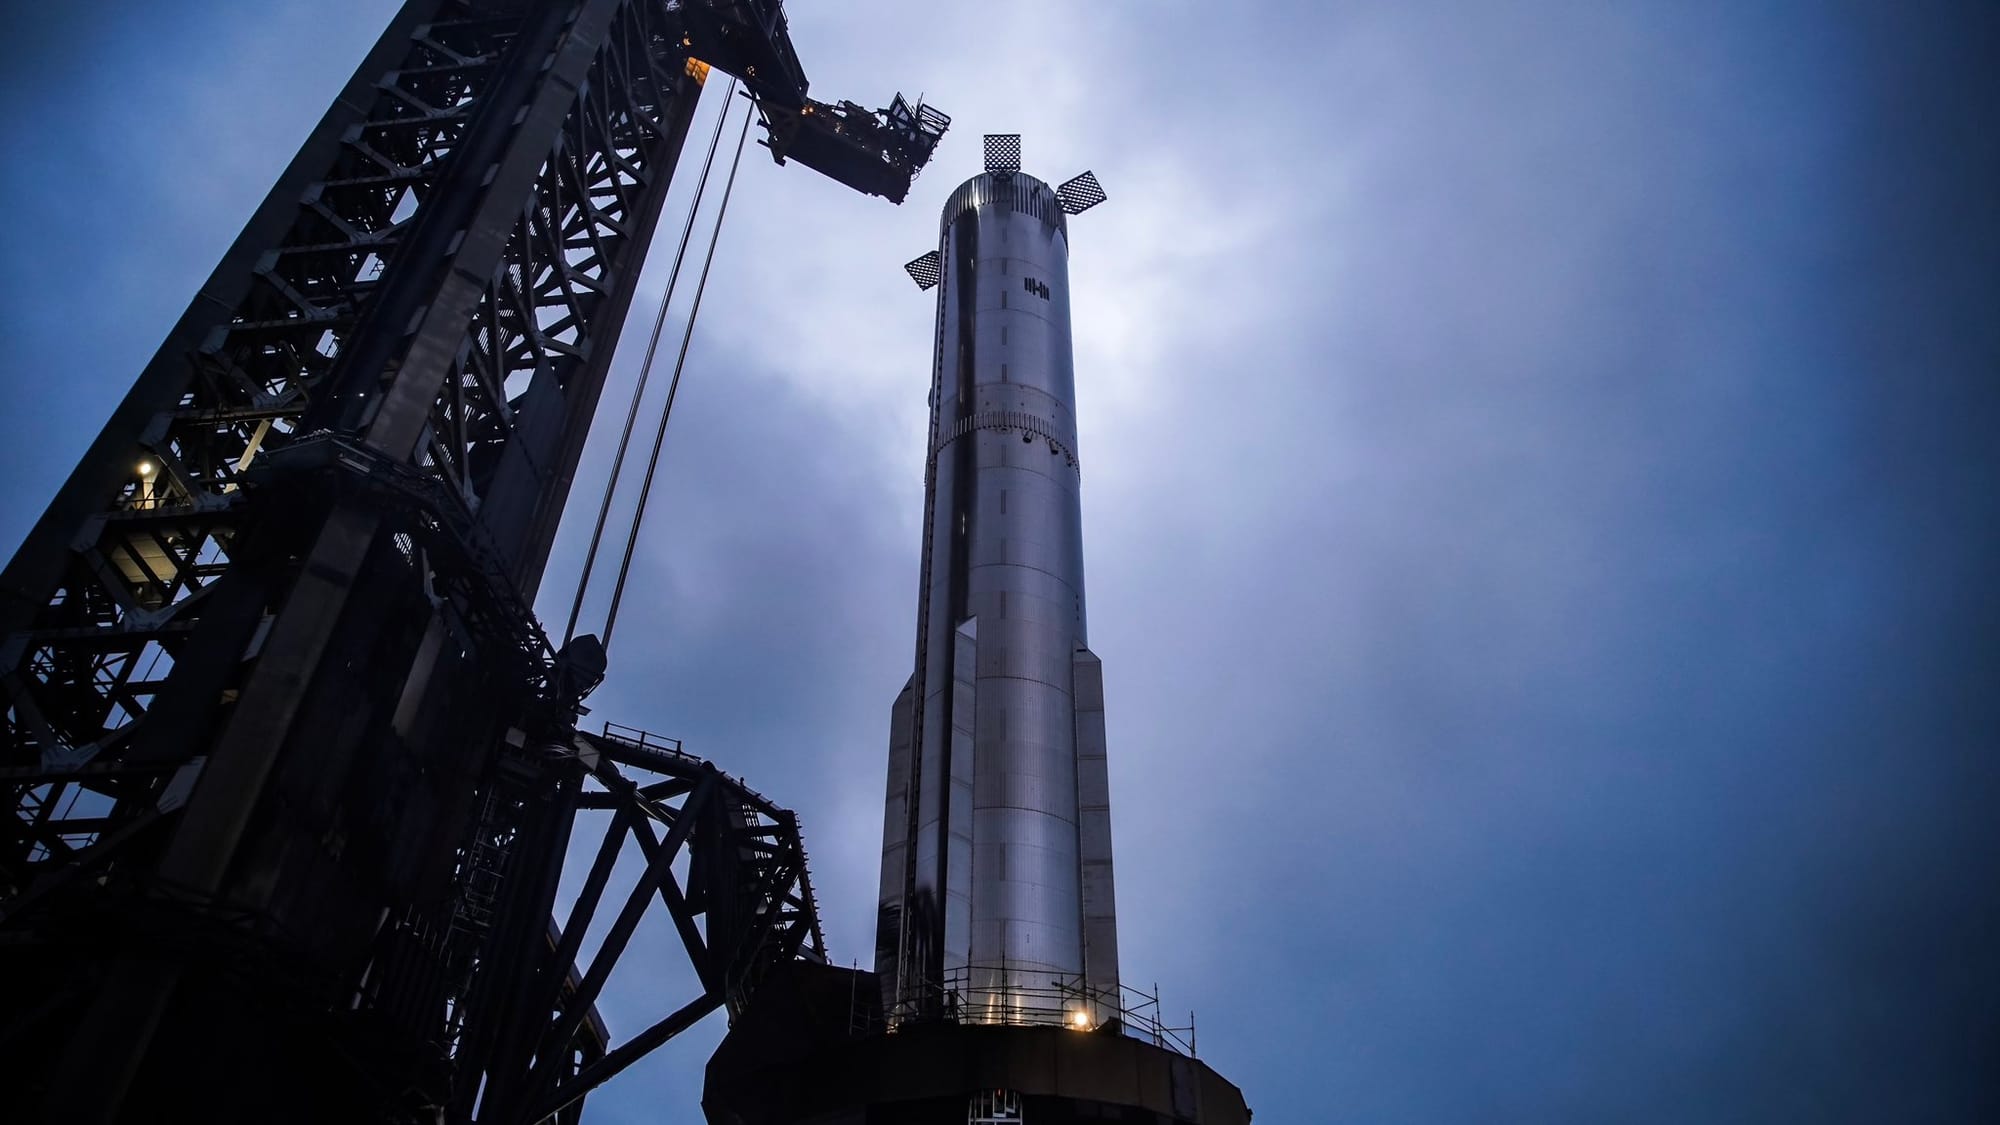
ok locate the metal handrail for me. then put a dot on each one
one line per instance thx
(643, 738)
(1059, 1003)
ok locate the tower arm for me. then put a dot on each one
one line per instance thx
(875, 152)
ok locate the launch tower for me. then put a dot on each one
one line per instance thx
(291, 768)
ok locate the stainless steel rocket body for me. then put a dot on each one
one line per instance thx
(996, 872)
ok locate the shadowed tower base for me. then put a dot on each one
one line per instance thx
(806, 1053)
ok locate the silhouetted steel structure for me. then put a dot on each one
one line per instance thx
(290, 764)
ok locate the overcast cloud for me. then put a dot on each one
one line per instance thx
(1539, 502)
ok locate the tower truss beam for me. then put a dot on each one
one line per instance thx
(258, 657)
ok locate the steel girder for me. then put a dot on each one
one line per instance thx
(741, 902)
(258, 657)
(102, 602)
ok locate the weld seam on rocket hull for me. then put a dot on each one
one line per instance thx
(1008, 421)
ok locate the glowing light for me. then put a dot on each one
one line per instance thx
(1081, 1019)
(147, 468)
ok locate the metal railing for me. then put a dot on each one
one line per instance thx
(1009, 996)
(644, 738)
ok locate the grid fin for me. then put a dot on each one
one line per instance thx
(1080, 193)
(1003, 152)
(926, 271)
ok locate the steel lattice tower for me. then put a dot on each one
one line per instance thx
(291, 767)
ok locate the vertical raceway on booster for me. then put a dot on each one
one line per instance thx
(996, 862)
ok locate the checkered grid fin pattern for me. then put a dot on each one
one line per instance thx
(1081, 193)
(1003, 152)
(926, 271)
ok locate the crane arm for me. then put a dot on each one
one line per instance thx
(876, 152)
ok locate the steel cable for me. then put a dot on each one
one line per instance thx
(680, 361)
(646, 367)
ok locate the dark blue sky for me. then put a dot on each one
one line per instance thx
(1540, 496)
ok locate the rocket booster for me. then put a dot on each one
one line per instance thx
(996, 859)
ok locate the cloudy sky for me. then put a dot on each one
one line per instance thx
(1539, 489)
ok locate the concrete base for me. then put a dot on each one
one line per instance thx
(794, 1059)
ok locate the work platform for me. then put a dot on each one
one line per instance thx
(811, 1051)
